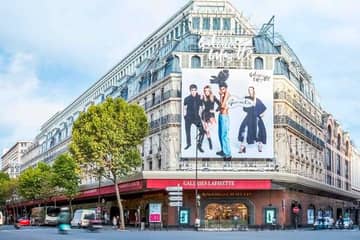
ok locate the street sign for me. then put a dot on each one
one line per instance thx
(296, 210)
(175, 193)
(175, 204)
(175, 198)
(174, 189)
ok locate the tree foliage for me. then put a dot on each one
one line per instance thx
(36, 183)
(105, 139)
(7, 187)
(66, 176)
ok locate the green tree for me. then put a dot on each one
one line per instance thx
(8, 189)
(106, 138)
(4, 188)
(66, 176)
(36, 183)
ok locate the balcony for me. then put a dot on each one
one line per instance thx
(306, 113)
(285, 120)
(159, 99)
(165, 120)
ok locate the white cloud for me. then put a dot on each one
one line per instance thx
(22, 109)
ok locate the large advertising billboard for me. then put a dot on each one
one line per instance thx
(229, 113)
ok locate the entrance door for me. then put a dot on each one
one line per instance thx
(339, 213)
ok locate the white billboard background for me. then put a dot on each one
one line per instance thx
(238, 83)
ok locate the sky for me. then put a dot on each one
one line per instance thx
(52, 51)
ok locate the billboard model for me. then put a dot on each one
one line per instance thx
(228, 112)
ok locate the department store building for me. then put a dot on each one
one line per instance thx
(302, 170)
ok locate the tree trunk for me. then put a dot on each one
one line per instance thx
(122, 226)
(71, 209)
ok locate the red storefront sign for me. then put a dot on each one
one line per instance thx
(210, 184)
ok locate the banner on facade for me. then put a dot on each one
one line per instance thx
(229, 113)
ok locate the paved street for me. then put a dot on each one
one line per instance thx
(44, 233)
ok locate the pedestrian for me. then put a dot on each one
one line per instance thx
(114, 222)
(118, 221)
(106, 218)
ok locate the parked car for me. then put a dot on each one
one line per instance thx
(81, 217)
(346, 223)
(2, 220)
(23, 221)
(324, 223)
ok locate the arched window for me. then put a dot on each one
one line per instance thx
(176, 64)
(302, 85)
(347, 149)
(338, 142)
(281, 67)
(124, 93)
(195, 62)
(169, 65)
(329, 134)
(259, 63)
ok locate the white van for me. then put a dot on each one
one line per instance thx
(2, 220)
(82, 216)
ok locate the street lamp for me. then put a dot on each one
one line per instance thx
(99, 209)
(197, 197)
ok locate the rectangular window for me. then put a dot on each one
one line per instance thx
(196, 23)
(206, 23)
(177, 32)
(159, 146)
(159, 163)
(338, 164)
(151, 143)
(216, 23)
(328, 159)
(328, 179)
(338, 183)
(150, 165)
(162, 94)
(153, 99)
(346, 169)
(226, 24)
(237, 28)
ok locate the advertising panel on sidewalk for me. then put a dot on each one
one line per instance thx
(227, 113)
(310, 216)
(154, 212)
(184, 216)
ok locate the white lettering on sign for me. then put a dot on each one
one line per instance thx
(209, 183)
(227, 48)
